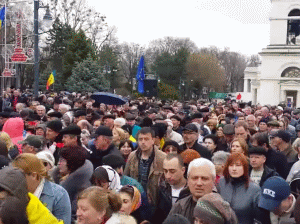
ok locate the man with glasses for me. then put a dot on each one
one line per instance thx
(71, 135)
(32, 144)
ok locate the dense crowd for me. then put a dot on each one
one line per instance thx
(65, 158)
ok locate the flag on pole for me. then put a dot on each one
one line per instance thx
(51, 79)
(2, 16)
(140, 75)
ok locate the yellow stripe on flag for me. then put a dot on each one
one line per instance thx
(50, 80)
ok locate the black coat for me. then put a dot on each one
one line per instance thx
(96, 156)
(75, 182)
(268, 172)
(164, 203)
(278, 162)
(203, 151)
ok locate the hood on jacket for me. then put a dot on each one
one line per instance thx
(13, 181)
(295, 184)
(14, 127)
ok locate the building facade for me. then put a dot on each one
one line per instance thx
(277, 78)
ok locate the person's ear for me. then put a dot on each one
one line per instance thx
(32, 149)
(35, 175)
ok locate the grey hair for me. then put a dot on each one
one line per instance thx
(42, 107)
(220, 157)
(65, 106)
(200, 162)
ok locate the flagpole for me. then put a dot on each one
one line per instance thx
(5, 45)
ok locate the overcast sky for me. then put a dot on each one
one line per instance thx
(241, 25)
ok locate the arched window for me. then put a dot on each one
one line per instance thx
(293, 28)
(295, 12)
(291, 72)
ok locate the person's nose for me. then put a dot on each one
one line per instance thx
(78, 212)
(199, 182)
(167, 175)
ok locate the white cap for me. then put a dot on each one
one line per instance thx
(279, 108)
(46, 156)
(121, 121)
(169, 122)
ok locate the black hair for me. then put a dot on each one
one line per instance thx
(160, 129)
(172, 143)
(128, 142)
(212, 137)
(261, 139)
(177, 156)
(146, 130)
(100, 175)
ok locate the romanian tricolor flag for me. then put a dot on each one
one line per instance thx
(2, 16)
(51, 79)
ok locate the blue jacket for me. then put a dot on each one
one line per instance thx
(57, 200)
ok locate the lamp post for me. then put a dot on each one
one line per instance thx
(48, 17)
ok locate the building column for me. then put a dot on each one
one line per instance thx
(298, 99)
(245, 85)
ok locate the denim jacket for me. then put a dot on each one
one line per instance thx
(57, 200)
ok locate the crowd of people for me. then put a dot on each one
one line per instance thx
(65, 158)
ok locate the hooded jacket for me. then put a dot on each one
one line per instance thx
(14, 127)
(13, 181)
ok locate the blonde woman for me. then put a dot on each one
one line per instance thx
(118, 136)
(13, 151)
(55, 197)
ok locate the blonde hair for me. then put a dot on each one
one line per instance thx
(102, 200)
(121, 133)
(30, 163)
(6, 138)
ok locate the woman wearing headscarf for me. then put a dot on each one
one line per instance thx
(131, 201)
(107, 178)
(212, 209)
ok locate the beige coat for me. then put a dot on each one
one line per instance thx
(156, 170)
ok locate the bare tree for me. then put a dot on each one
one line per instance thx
(79, 15)
(129, 59)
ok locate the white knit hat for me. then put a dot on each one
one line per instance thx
(46, 156)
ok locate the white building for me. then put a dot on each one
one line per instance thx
(277, 79)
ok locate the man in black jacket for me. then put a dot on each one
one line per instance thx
(190, 137)
(170, 186)
(259, 172)
(102, 146)
(274, 159)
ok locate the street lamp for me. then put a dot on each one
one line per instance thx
(47, 18)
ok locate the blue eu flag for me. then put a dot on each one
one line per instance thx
(2, 16)
(140, 75)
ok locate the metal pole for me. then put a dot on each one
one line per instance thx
(36, 47)
(5, 60)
